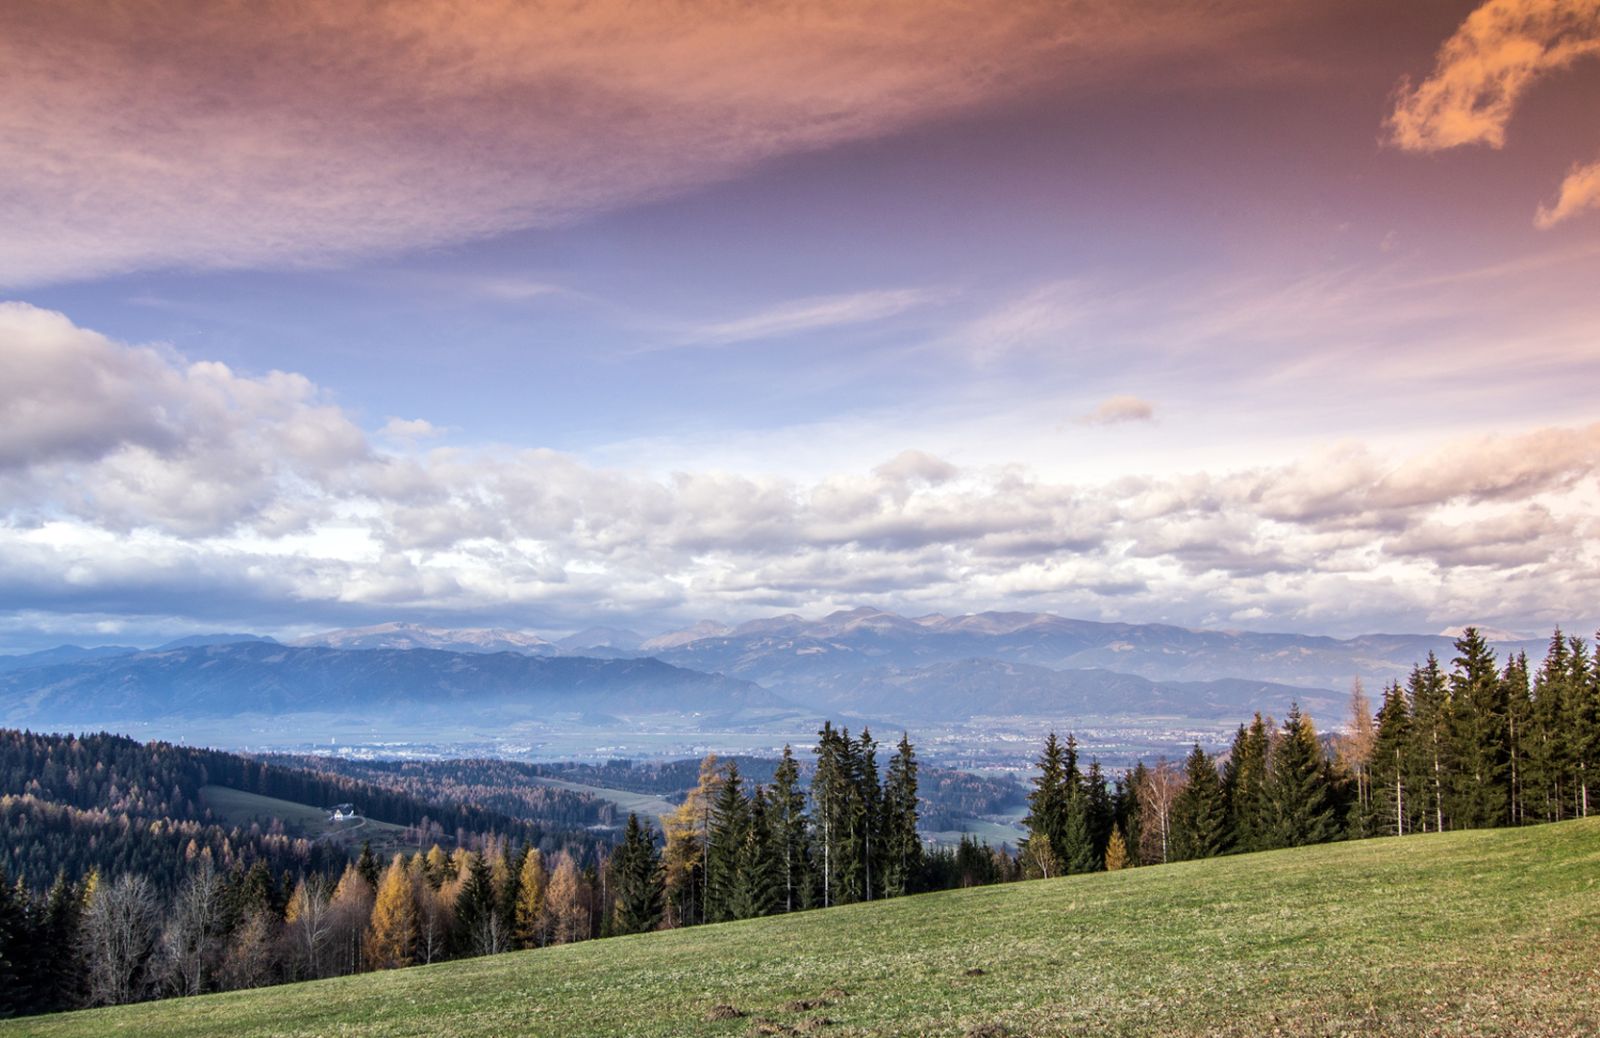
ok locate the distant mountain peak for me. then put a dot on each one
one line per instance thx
(401, 634)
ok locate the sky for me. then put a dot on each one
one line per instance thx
(1263, 315)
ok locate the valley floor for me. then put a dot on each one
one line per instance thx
(1476, 933)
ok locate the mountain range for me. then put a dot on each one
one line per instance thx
(863, 663)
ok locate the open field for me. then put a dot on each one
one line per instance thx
(237, 807)
(1474, 933)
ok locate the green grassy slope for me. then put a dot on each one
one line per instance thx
(237, 807)
(1480, 933)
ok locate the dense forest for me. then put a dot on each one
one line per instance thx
(731, 850)
(947, 799)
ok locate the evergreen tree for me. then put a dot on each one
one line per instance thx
(755, 887)
(830, 797)
(867, 817)
(639, 893)
(1583, 724)
(1297, 791)
(1518, 697)
(15, 998)
(730, 823)
(1550, 755)
(53, 970)
(1244, 786)
(902, 846)
(475, 908)
(1392, 809)
(1102, 812)
(1199, 815)
(1431, 756)
(1127, 809)
(367, 865)
(787, 819)
(1048, 803)
(1479, 724)
(1077, 840)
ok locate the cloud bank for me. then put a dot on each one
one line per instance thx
(1482, 72)
(186, 489)
(280, 133)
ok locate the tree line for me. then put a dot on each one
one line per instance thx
(731, 850)
(1481, 744)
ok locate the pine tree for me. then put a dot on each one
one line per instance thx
(1102, 813)
(902, 846)
(1127, 810)
(1048, 803)
(639, 893)
(1518, 697)
(787, 820)
(1431, 757)
(866, 820)
(15, 998)
(367, 865)
(1297, 791)
(730, 824)
(830, 802)
(1478, 727)
(1392, 809)
(1582, 723)
(392, 934)
(1077, 840)
(1199, 815)
(1550, 755)
(1244, 786)
(475, 908)
(755, 888)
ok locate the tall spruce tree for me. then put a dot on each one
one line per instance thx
(1077, 839)
(1392, 810)
(1298, 791)
(15, 998)
(1244, 786)
(1550, 755)
(1583, 723)
(637, 868)
(902, 847)
(830, 796)
(730, 824)
(1479, 722)
(1049, 801)
(1431, 746)
(786, 817)
(1200, 813)
(755, 887)
(1518, 698)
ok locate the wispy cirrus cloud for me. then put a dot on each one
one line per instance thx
(1483, 71)
(812, 314)
(146, 133)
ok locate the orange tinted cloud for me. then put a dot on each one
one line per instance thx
(151, 133)
(1484, 69)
